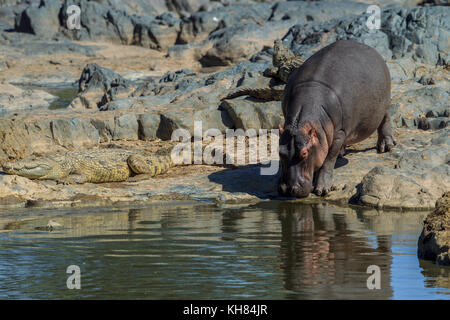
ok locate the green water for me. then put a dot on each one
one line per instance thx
(273, 250)
(65, 96)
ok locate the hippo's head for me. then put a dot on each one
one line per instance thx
(300, 153)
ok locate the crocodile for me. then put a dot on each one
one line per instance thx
(284, 62)
(94, 166)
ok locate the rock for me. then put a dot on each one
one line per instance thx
(40, 19)
(420, 34)
(98, 85)
(421, 174)
(434, 241)
(110, 21)
(186, 7)
(158, 33)
(13, 98)
(125, 127)
(148, 126)
(74, 133)
(199, 25)
(410, 107)
(249, 113)
(240, 42)
(236, 33)
(52, 225)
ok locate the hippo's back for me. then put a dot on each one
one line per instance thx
(359, 77)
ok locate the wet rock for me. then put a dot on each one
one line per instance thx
(434, 241)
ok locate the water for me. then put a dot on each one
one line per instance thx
(65, 96)
(272, 250)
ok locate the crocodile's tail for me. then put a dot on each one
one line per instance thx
(152, 165)
(159, 164)
(268, 94)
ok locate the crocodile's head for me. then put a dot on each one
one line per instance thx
(30, 168)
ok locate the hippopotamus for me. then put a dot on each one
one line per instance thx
(338, 97)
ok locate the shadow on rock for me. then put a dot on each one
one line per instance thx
(248, 179)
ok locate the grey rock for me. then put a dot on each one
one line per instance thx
(237, 33)
(40, 19)
(410, 107)
(148, 126)
(74, 133)
(249, 113)
(419, 33)
(199, 25)
(109, 21)
(125, 127)
(434, 241)
(98, 85)
(420, 177)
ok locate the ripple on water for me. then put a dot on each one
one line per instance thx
(273, 250)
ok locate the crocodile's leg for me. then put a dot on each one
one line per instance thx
(73, 179)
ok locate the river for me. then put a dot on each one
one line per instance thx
(187, 250)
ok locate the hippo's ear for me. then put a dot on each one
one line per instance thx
(309, 130)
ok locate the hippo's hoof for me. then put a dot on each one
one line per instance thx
(386, 144)
(324, 191)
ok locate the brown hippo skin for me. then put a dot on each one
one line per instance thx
(339, 96)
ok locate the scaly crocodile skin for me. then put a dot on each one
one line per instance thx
(284, 63)
(100, 165)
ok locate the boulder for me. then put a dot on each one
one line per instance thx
(420, 34)
(417, 179)
(434, 241)
(98, 85)
(410, 108)
(111, 21)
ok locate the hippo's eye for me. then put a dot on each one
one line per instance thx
(303, 154)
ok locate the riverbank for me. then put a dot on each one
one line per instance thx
(139, 80)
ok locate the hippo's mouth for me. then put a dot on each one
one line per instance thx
(296, 190)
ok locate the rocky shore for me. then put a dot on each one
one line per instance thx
(434, 242)
(144, 69)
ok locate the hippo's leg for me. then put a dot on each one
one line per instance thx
(324, 182)
(386, 140)
(342, 152)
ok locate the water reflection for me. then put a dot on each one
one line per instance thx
(275, 250)
(321, 256)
